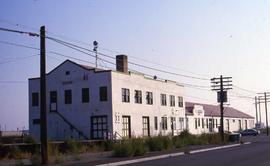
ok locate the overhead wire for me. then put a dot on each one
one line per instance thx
(75, 47)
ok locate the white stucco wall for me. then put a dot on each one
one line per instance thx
(136, 111)
(77, 113)
(232, 123)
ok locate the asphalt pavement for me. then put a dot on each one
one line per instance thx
(255, 154)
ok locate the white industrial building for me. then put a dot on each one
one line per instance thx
(205, 118)
(89, 103)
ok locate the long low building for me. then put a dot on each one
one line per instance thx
(89, 103)
(205, 118)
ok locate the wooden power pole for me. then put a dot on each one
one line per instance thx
(221, 85)
(266, 97)
(256, 110)
(43, 109)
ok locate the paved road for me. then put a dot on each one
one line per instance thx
(255, 154)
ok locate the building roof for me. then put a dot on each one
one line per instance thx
(99, 70)
(213, 110)
(96, 70)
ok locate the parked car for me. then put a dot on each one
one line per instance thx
(249, 132)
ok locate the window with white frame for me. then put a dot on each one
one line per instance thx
(172, 100)
(163, 99)
(180, 101)
(149, 98)
(125, 95)
(138, 96)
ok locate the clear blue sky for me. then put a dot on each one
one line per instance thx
(206, 37)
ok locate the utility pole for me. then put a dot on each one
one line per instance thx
(221, 85)
(266, 97)
(95, 43)
(256, 110)
(260, 113)
(43, 109)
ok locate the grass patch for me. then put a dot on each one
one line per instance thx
(159, 143)
(130, 147)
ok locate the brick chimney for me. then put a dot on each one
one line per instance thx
(122, 63)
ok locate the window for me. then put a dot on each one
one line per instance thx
(216, 124)
(164, 123)
(181, 121)
(53, 101)
(53, 97)
(35, 100)
(99, 127)
(173, 124)
(240, 125)
(149, 98)
(145, 123)
(199, 122)
(202, 123)
(156, 123)
(196, 123)
(36, 121)
(180, 101)
(138, 96)
(172, 100)
(207, 124)
(187, 125)
(163, 99)
(125, 95)
(103, 93)
(67, 72)
(227, 125)
(213, 123)
(85, 95)
(68, 96)
(126, 126)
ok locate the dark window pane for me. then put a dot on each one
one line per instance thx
(156, 123)
(138, 96)
(68, 96)
(103, 93)
(36, 121)
(35, 100)
(53, 97)
(125, 95)
(85, 95)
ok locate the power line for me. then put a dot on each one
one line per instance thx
(13, 82)
(17, 25)
(200, 87)
(132, 63)
(20, 32)
(152, 62)
(51, 52)
(243, 89)
(17, 59)
(19, 45)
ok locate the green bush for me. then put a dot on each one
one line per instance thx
(108, 145)
(210, 138)
(123, 149)
(139, 146)
(131, 147)
(155, 143)
(71, 146)
(159, 143)
(29, 139)
(36, 159)
(14, 152)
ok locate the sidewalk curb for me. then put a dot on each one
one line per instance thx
(169, 155)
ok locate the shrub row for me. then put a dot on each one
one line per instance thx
(139, 146)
